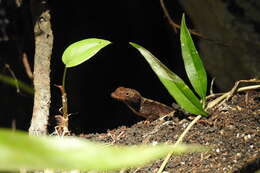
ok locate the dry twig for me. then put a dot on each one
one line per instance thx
(173, 24)
(27, 66)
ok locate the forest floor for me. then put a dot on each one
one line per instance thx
(232, 130)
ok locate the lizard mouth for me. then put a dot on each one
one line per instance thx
(114, 96)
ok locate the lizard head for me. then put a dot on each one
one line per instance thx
(127, 95)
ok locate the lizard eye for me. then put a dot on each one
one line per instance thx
(127, 94)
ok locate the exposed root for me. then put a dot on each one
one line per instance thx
(226, 96)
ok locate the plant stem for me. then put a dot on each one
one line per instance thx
(63, 121)
(64, 78)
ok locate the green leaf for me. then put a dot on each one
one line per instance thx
(16, 83)
(174, 84)
(20, 151)
(193, 64)
(83, 50)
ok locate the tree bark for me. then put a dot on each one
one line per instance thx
(43, 49)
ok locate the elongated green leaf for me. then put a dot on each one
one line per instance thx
(81, 51)
(16, 83)
(193, 64)
(18, 150)
(174, 84)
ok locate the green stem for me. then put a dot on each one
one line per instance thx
(204, 104)
(64, 78)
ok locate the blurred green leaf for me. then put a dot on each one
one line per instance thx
(193, 64)
(174, 84)
(18, 150)
(83, 50)
(17, 84)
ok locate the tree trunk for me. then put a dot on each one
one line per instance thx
(43, 48)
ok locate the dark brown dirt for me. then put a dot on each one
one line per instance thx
(232, 129)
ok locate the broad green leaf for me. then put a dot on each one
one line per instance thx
(81, 51)
(193, 64)
(18, 150)
(174, 84)
(17, 83)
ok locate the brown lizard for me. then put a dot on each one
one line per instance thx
(147, 108)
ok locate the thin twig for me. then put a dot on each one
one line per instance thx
(180, 139)
(235, 88)
(173, 24)
(7, 66)
(27, 66)
(214, 95)
(167, 15)
(227, 95)
(211, 86)
(247, 98)
(247, 88)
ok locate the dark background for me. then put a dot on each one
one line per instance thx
(89, 85)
